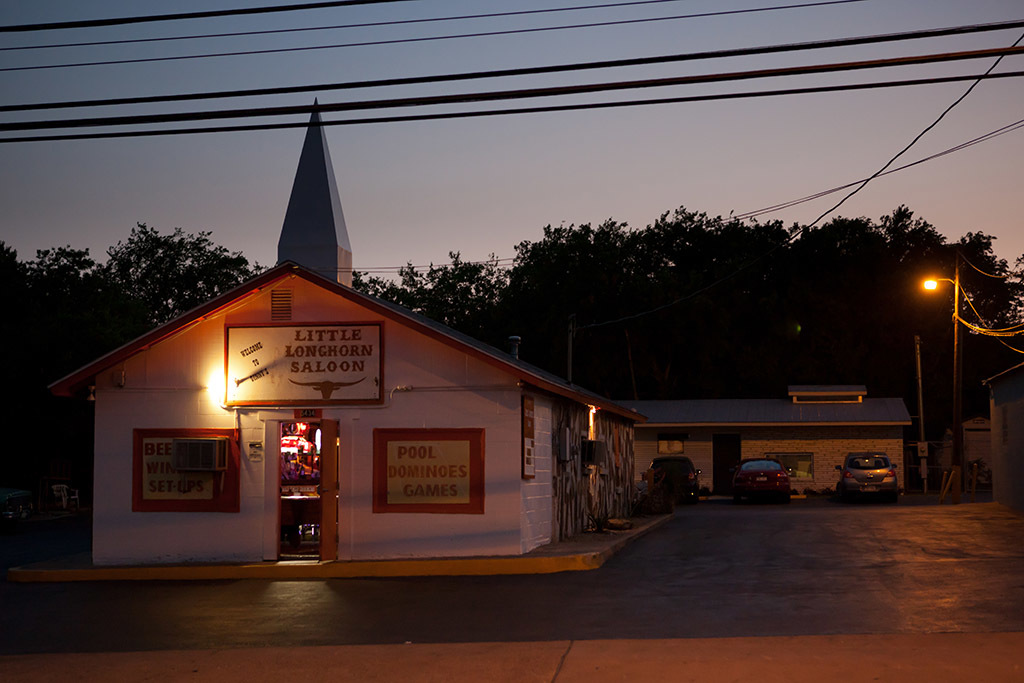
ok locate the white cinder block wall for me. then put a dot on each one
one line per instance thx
(829, 446)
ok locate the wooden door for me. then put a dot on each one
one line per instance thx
(329, 453)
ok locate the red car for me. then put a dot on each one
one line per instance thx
(763, 477)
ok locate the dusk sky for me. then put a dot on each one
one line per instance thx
(414, 191)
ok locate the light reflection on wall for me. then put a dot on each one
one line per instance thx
(215, 386)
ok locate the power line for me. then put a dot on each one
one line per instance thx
(913, 142)
(506, 262)
(982, 272)
(803, 229)
(369, 24)
(502, 95)
(397, 41)
(529, 71)
(515, 111)
(121, 21)
(1009, 128)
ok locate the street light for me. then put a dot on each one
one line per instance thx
(958, 371)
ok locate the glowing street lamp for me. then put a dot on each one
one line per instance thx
(958, 369)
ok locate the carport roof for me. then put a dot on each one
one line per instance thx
(749, 412)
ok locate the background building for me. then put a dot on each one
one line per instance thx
(810, 432)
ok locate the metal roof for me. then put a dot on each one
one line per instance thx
(773, 411)
(828, 390)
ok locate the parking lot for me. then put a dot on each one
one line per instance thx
(716, 569)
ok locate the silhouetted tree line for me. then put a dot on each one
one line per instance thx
(691, 306)
(695, 306)
(64, 309)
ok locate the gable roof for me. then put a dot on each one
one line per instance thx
(529, 374)
(772, 411)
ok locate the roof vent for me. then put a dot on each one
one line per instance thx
(513, 346)
(815, 393)
(281, 305)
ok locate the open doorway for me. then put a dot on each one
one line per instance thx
(726, 452)
(308, 490)
(301, 450)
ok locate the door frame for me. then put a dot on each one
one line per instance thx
(726, 453)
(330, 461)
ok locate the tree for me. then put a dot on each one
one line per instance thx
(694, 306)
(171, 274)
(65, 309)
(463, 295)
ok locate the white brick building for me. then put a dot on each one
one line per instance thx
(810, 432)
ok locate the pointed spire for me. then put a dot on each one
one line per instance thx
(314, 233)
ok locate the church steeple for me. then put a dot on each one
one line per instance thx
(314, 233)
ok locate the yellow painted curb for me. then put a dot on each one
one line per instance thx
(317, 570)
(338, 569)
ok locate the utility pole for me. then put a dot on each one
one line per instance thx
(958, 370)
(922, 445)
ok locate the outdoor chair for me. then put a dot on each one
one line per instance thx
(65, 495)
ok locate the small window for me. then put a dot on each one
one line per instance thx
(670, 444)
(799, 465)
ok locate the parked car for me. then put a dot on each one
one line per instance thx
(760, 478)
(15, 504)
(681, 479)
(867, 474)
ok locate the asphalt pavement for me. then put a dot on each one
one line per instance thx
(814, 590)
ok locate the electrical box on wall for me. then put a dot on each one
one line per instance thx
(594, 453)
(199, 455)
(564, 448)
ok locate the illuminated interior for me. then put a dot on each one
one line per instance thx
(300, 490)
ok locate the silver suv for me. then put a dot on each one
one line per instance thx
(867, 474)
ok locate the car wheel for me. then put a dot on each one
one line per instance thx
(787, 497)
(737, 498)
(894, 498)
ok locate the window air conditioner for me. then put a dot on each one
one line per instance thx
(201, 455)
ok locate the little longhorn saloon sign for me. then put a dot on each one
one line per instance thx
(304, 364)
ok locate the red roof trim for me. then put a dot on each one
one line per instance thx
(79, 379)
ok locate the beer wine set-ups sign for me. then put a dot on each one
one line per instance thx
(304, 364)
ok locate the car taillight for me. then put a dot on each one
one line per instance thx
(689, 475)
(847, 474)
(891, 473)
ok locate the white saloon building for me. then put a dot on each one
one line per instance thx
(295, 417)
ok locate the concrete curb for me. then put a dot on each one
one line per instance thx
(545, 560)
